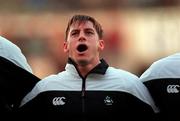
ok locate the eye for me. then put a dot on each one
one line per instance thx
(89, 32)
(74, 33)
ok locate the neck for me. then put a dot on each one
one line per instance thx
(85, 69)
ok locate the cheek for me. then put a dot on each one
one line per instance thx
(72, 48)
(95, 48)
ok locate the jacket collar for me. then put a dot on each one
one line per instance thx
(99, 69)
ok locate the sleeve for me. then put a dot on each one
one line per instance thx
(18, 58)
(142, 93)
(13, 53)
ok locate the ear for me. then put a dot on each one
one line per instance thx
(101, 45)
(65, 47)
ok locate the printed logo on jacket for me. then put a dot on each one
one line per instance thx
(58, 101)
(173, 88)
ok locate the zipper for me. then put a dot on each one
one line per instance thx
(83, 90)
(83, 95)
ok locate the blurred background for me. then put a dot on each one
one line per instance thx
(137, 32)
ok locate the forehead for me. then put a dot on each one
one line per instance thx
(82, 24)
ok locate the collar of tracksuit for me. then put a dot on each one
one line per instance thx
(98, 69)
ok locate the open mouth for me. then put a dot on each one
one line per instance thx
(82, 47)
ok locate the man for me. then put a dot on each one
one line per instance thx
(16, 78)
(88, 89)
(163, 81)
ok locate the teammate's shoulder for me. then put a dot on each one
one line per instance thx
(5, 43)
(8, 49)
(167, 60)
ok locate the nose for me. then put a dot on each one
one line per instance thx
(82, 37)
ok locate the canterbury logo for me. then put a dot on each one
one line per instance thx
(58, 101)
(173, 88)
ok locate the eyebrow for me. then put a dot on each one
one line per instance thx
(86, 29)
(74, 30)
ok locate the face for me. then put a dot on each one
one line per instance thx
(83, 44)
